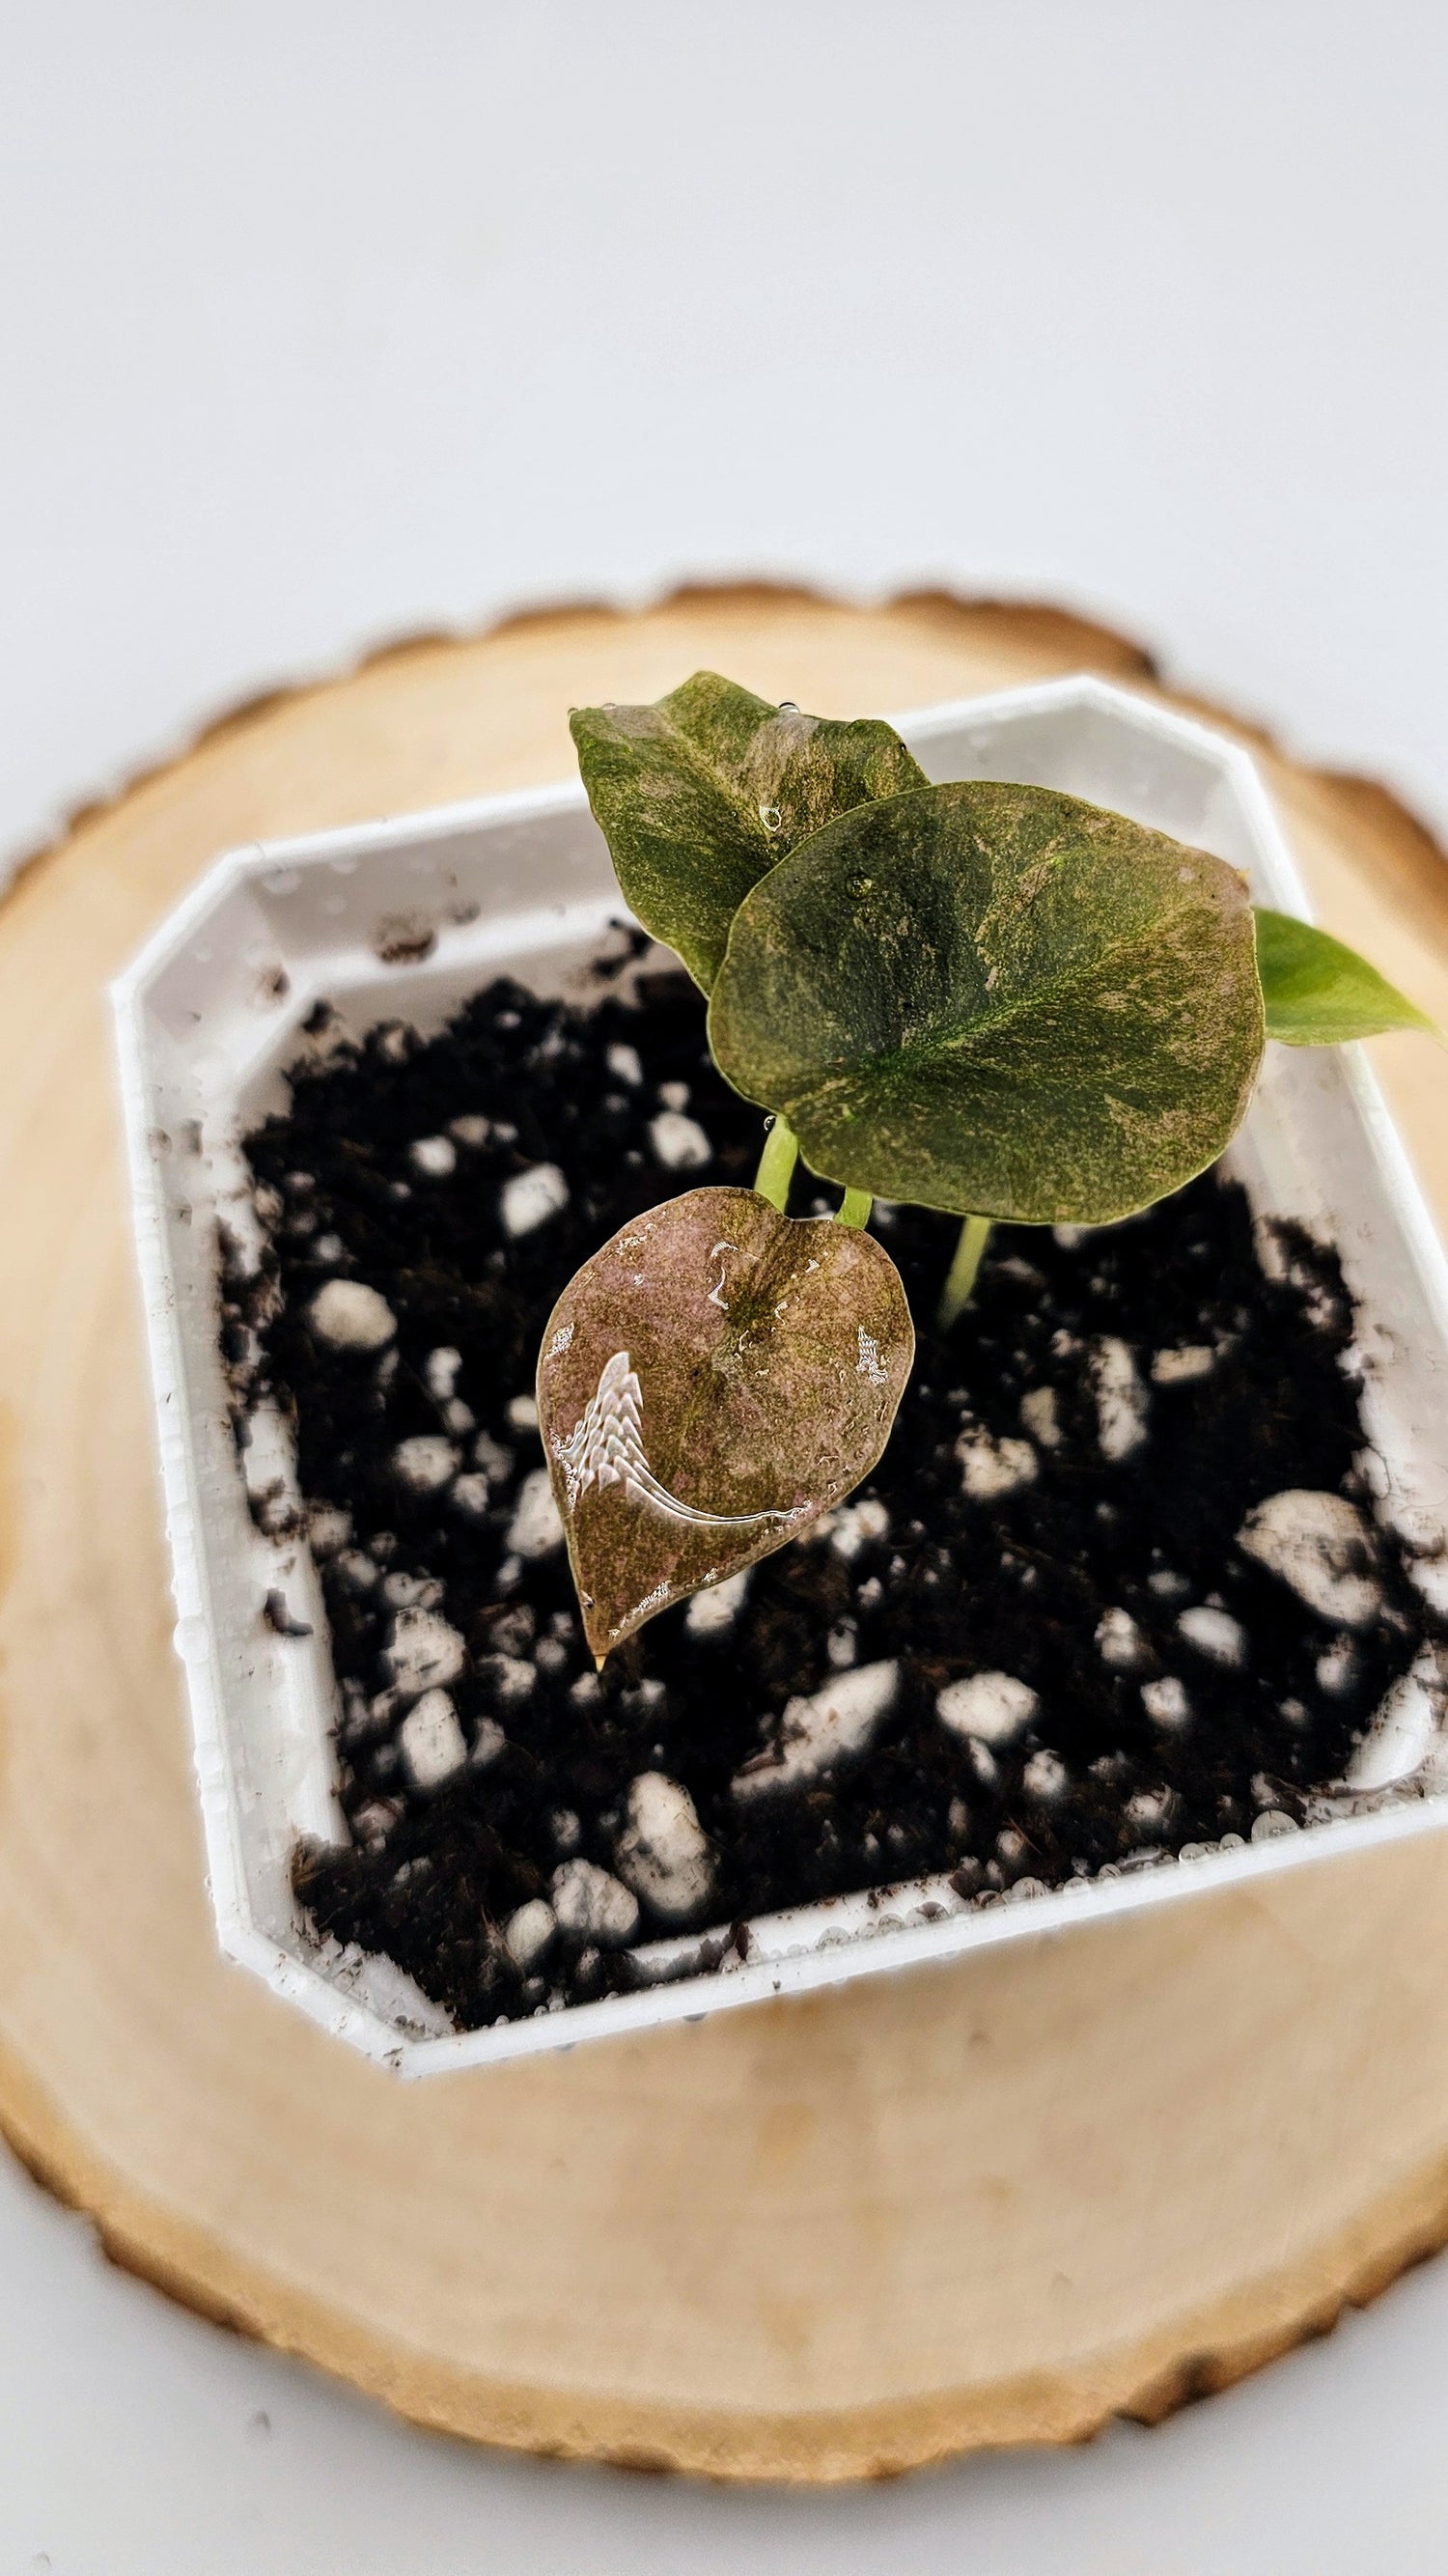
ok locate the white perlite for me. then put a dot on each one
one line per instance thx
(423, 1652)
(470, 1129)
(663, 1853)
(536, 1528)
(710, 1613)
(593, 1905)
(528, 1933)
(1319, 1546)
(441, 1370)
(1121, 1399)
(328, 1531)
(1429, 1576)
(1120, 1643)
(1404, 1725)
(1045, 1775)
(512, 1677)
(623, 1063)
(349, 1317)
(522, 1415)
(837, 1723)
(430, 1741)
(1179, 1367)
(1215, 1634)
(402, 1591)
(842, 1645)
(1337, 1669)
(530, 1198)
(854, 1525)
(355, 1568)
(434, 1156)
(1041, 1415)
(993, 1707)
(989, 1467)
(1166, 1702)
(425, 1463)
(679, 1143)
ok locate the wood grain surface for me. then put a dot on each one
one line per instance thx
(991, 2201)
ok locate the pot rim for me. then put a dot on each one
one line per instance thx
(247, 1778)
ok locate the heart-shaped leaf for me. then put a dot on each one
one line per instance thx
(996, 1000)
(699, 796)
(710, 1382)
(1319, 993)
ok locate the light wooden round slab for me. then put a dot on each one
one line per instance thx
(991, 2202)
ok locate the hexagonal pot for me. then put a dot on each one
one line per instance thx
(406, 919)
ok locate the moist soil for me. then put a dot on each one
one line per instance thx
(945, 1582)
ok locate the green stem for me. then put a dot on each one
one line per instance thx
(854, 1208)
(955, 1295)
(776, 1164)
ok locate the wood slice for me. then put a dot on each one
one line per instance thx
(990, 2201)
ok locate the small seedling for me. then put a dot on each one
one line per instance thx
(994, 1000)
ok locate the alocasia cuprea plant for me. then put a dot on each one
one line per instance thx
(993, 1000)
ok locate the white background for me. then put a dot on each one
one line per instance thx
(325, 319)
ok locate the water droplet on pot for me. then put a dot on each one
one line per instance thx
(787, 707)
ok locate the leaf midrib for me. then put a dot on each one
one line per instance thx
(1059, 986)
(714, 777)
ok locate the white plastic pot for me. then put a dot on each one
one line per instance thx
(211, 1012)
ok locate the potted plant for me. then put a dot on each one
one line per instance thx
(648, 1662)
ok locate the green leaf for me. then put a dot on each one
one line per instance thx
(1319, 993)
(711, 1381)
(996, 1000)
(699, 796)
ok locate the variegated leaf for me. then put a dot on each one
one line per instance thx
(997, 1000)
(714, 1378)
(700, 795)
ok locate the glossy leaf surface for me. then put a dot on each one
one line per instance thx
(700, 795)
(999, 1000)
(709, 1382)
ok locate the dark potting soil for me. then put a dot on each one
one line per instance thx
(1048, 1469)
